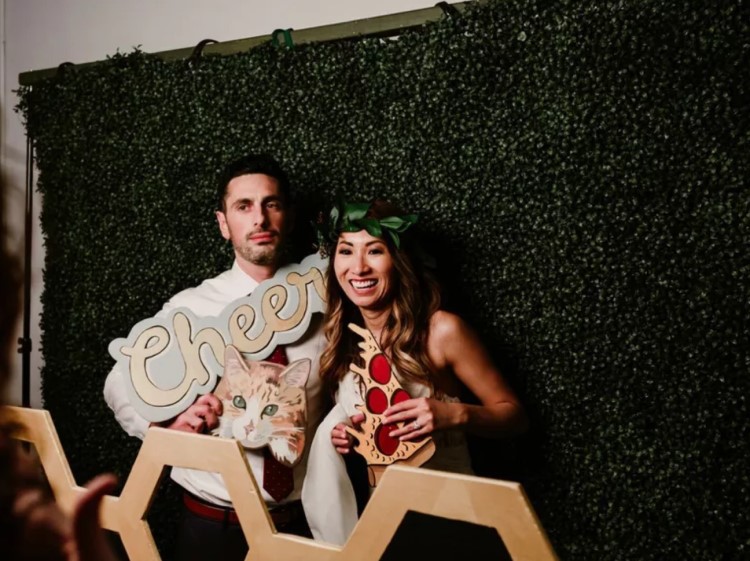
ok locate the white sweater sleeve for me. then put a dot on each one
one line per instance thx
(116, 395)
(117, 398)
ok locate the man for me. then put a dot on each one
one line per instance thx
(255, 215)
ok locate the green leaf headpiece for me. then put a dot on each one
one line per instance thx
(352, 217)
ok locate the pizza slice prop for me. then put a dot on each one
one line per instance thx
(381, 390)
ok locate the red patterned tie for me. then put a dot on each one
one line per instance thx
(278, 479)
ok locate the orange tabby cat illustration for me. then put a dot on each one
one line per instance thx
(264, 405)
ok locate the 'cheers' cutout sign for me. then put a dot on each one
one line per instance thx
(169, 361)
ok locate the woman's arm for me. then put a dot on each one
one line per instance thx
(453, 345)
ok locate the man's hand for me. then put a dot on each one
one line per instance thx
(201, 416)
(341, 439)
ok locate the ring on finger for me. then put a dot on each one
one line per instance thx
(416, 426)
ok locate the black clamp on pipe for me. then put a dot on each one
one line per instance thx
(64, 67)
(198, 50)
(449, 10)
(286, 33)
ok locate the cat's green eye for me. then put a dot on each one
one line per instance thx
(239, 402)
(269, 410)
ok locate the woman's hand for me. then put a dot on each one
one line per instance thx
(422, 416)
(341, 439)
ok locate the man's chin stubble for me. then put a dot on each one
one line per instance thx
(261, 257)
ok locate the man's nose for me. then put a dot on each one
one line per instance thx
(259, 216)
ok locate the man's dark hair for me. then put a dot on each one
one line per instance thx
(253, 163)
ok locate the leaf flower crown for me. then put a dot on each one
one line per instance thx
(351, 217)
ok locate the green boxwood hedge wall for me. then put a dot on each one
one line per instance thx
(583, 166)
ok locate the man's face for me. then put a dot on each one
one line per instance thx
(256, 219)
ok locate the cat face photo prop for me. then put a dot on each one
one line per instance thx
(167, 362)
(381, 390)
(264, 405)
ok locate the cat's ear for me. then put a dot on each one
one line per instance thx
(233, 360)
(296, 374)
(222, 388)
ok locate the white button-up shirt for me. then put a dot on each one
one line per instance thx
(209, 299)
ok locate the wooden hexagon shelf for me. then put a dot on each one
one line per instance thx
(499, 504)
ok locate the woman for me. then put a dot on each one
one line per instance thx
(377, 280)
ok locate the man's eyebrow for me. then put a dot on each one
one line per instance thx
(244, 201)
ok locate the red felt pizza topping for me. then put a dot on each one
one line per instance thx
(399, 396)
(377, 401)
(384, 441)
(380, 370)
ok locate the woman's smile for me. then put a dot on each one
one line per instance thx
(363, 284)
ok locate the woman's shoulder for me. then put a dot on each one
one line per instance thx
(445, 326)
(449, 337)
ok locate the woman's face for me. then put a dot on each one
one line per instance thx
(364, 269)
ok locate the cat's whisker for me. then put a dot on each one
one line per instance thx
(285, 430)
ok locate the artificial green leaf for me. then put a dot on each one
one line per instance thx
(356, 211)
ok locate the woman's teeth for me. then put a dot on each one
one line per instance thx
(361, 284)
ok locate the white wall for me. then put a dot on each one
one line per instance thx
(38, 34)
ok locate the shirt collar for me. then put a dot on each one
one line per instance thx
(242, 284)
